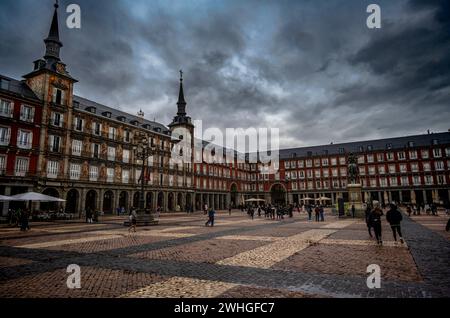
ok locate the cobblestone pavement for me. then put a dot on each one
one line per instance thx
(238, 257)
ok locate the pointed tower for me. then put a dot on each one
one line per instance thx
(52, 83)
(181, 118)
(50, 64)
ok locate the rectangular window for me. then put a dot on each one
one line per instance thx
(437, 153)
(383, 182)
(342, 160)
(428, 180)
(97, 129)
(21, 168)
(27, 113)
(380, 157)
(390, 156)
(439, 165)
(325, 162)
(326, 173)
(109, 174)
(362, 171)
(126, 157)
(317, 173)
(24, 139)
(343, 172)
(401, 155)
(372, 170)
(333, 161)
(392, 169)
(52, 169)
(127, 137)
(301, 163)
(361, 159)
(403, 168)
(309, 163)
(447, 152)
(413, 154)
(370, 158)
(93, 173)
(416, 180)
(57, 119)
(111, 153)
(78, 124)
(125, 176)
(95, 150)
(441, 179)
(334, 172)
(425, 154)
(77, 145)
(59, 96)
(54, 143)
(393, 181)
(405, 181)
(426, 166)
(112, 133)
(75, 171)
(6, 108)
(5, 136)
(381, 169)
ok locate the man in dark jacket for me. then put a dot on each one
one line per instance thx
(367, 215)
(211, 213)
(394, 217)
(375, 222)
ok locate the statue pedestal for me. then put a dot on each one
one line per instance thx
(355, 198)
(143, 220)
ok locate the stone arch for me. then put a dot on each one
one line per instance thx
(50, 206)
(108, 202)
(72, 201)
(91, 200)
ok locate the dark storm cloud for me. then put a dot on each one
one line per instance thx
(310, 68)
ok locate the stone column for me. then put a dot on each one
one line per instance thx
(100, 200)
(6, 203)
(424, 193)
(82, 204)
(166, 202)
(413, 197)
(400, 195)
(390, 196)
(155, 201)
(379, 197)
(116, 201)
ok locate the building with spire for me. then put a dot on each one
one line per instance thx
(67, 146)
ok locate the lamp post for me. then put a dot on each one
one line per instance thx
(142, 150)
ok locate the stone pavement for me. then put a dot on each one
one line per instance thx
(238, 257)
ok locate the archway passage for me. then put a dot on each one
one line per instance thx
(160, 200)
(123, 200)
(278, 194)
(72, 201)
(234, 195)
(136, 199)
(91, 200)
(188, 204)
(148, 200)
(108, 199)
(50, 206)
(170, 204)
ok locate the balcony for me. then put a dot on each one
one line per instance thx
(24, 145)
(4, 141)
(6, 113)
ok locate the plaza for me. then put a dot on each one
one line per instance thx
(238, 257)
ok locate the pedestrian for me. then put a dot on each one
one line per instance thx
(205, 209)
(210, 217)
(317, 213)
(367, 215)
(122, 210)
(10, 217)
(353, 211)
(408, 210)
(375, 222)
(95, 216)
(309, 210)
(321, 212)
(229, 210)
(447, 227)
(259, 211)
(118, 211)
(394, 217)
(133, 220)
(24, 216)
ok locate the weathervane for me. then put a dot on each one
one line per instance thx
(181, 75)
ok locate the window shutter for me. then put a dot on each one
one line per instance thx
(54, 94)
(61, 120)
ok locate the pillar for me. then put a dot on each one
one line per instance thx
(379, 197)
(400, 195)
(116, 201)
(82, 204)
(166, 202)
(6, 203)
(155, 201)
(100, 200)
(424, 193)
(413, 197)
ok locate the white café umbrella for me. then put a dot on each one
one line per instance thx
(307, 198)
(5, 198)
(254, 200)
(323, 199)
(35, 197)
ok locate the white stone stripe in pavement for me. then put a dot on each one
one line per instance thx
(363, 243)
(69, 241)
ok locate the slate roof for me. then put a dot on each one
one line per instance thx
(18, 88)
(85, 104)
(376, 145)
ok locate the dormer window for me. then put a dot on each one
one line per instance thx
(121, 118)
(134, 122)
(411, 144)
(91, 109)
(76, 104)
(341, 150)
(157, 129)
(369, 148)
(389, 146)
(435, 142)
(107, 114)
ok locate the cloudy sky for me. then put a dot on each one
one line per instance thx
(310, 68)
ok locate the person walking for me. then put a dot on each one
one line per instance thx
(394, 217)
(367, 215)
(353, 211)
(229, 209)
(24, 226)
(133, 221)
(375, 222)
(408, 210)
(317, 212)
(210, 217)
(309, 210)
(322, 213)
